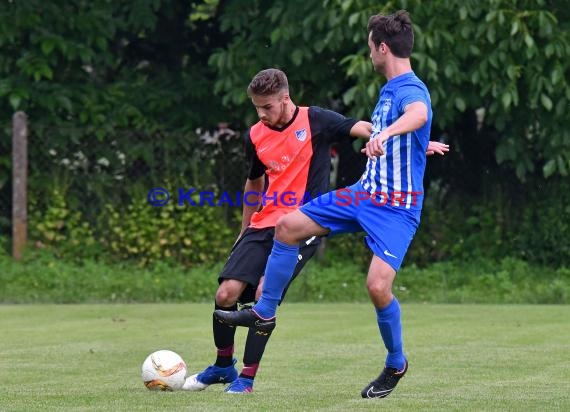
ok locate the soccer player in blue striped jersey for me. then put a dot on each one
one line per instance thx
(385, 203)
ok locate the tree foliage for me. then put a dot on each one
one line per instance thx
(106, 65)
(505, 61)
(99, 68)
(114, 89)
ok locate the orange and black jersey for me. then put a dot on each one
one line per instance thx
(295, 158)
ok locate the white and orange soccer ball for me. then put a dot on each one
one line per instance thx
(164, 370)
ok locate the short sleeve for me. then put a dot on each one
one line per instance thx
(411, 93)
(333, 126)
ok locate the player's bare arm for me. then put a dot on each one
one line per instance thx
(361, 129)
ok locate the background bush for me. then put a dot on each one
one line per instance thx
(135, 232)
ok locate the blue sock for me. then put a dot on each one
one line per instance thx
(390, 324)
(280, 267)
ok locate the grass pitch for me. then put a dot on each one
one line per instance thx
(462, 358)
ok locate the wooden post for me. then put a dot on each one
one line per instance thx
(19, 183)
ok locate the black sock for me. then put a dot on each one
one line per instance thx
(254, 348)
(224, 340)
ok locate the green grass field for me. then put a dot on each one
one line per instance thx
(462, 358)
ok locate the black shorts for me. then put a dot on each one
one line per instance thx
(248, 259)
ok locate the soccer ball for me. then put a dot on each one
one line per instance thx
(163, 370)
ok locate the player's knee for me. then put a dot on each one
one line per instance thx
(285, 230)
(379, 292)
(226, 297)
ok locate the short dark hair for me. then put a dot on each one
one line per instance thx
(395, 30)
(268, 82)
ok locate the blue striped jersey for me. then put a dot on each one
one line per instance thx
(398, 175)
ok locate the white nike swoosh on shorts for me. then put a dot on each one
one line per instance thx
(389, 254)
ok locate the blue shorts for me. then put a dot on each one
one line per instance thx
(390, 229)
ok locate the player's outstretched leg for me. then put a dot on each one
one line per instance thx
(278, 273)
(384, 384)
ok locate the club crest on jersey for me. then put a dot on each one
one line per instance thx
(301, 135)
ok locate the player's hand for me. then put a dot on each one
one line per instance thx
(374, 147)
(437, 147)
